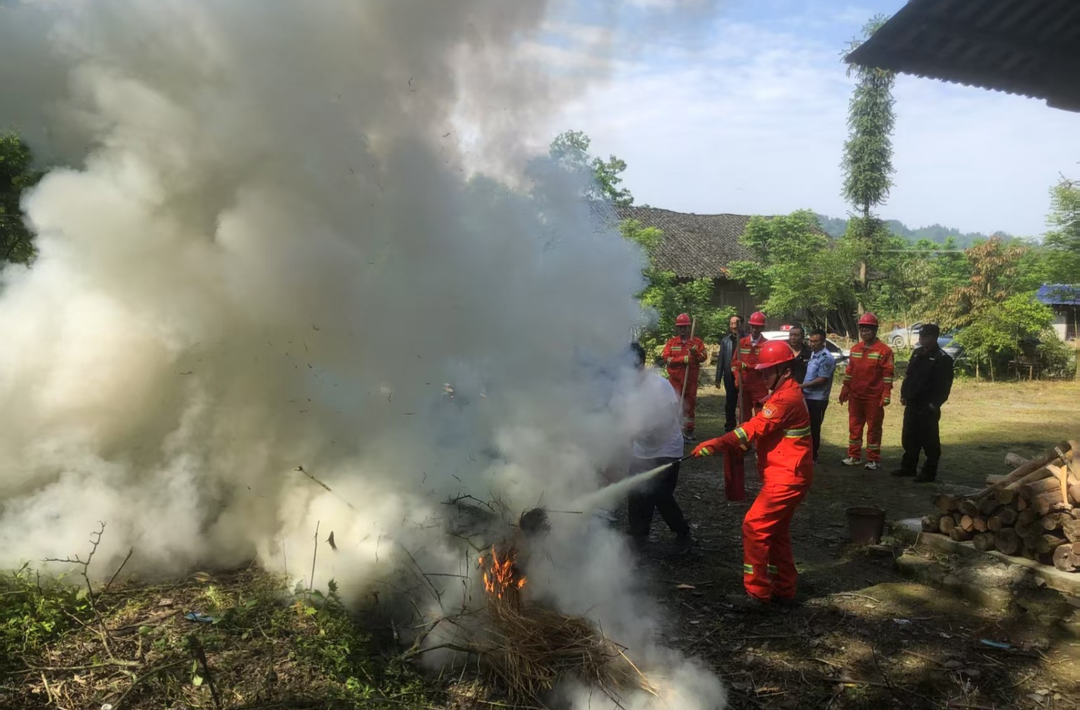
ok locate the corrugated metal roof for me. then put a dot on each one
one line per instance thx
(1025, 47)
(1058, 295)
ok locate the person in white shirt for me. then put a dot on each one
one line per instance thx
(658, 440)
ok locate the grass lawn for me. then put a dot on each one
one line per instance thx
(980, 424)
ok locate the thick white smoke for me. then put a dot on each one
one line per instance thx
(268, 252)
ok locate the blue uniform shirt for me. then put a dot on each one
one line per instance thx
(821, 364)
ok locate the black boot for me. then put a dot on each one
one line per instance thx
(683, 544)
(926, 475)
(903, 473)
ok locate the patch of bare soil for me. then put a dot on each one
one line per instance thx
(864, 636)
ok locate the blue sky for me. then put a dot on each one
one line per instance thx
(740, 106)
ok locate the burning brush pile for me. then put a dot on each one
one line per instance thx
(529, 649)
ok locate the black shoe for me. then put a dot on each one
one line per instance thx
(903, 473)
(683, 544)
(786, 602)
(925, 476)
(747, 603)
(688, 436)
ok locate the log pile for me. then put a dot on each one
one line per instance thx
(1033, 512)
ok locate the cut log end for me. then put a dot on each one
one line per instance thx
(1065, 558)
(1007, 541)
(959, 534)
(983, 541)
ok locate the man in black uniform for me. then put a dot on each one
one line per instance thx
(797, 341)
(926, 387)
(729, 345)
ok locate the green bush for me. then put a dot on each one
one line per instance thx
(1058, 359)
(36, 610)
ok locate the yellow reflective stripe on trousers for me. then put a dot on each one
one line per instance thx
(797, 433)
(887, 380)
(773, 569)
(747, 569)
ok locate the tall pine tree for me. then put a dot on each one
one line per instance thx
(867, 162)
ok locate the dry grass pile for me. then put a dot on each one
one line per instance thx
(530, 650)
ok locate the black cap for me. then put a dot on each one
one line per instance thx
(930, 329)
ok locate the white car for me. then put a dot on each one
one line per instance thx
(837, 352)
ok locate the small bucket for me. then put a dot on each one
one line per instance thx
(865, 524)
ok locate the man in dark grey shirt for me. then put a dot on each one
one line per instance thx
(729, 345)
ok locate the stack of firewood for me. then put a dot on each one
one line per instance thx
(1033, 511)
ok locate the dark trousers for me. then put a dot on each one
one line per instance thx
(817, 409)
(921, 434)
(731, 403)
(658, 493)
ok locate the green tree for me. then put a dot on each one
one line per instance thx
(996, 334)
(571, 150)
(995, 308)
(16, 176)
(999, 270)
(797, 269)
(667, 296)
(1062, 242)
(867, 161)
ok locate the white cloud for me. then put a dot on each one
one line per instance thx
(755, 123)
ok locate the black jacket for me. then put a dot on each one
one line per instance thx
(928, 379)
(728, 345)
(798, 368)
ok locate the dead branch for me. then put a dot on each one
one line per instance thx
(119, 704)
(200, 655)
(117, 572)
(314, 555)
(95, 540)
(888, 683)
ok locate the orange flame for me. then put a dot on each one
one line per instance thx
(500, 576)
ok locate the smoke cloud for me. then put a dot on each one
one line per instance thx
(267, 249)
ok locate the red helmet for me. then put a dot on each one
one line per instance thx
(683, 319)
(757, 318)
(868, 319)
(774, 352)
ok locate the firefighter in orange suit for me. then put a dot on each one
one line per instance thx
(867, 387)
(751, 387)
(683, 356)
(781, 433)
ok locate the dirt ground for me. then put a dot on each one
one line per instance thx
(867, 636)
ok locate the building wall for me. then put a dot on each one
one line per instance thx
(734, 294)
(1065, 321)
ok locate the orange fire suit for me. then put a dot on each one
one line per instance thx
(683, 359)
(867, 388)
(752, 388)
(781, 433)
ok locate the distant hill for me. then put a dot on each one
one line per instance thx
(835, 226)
